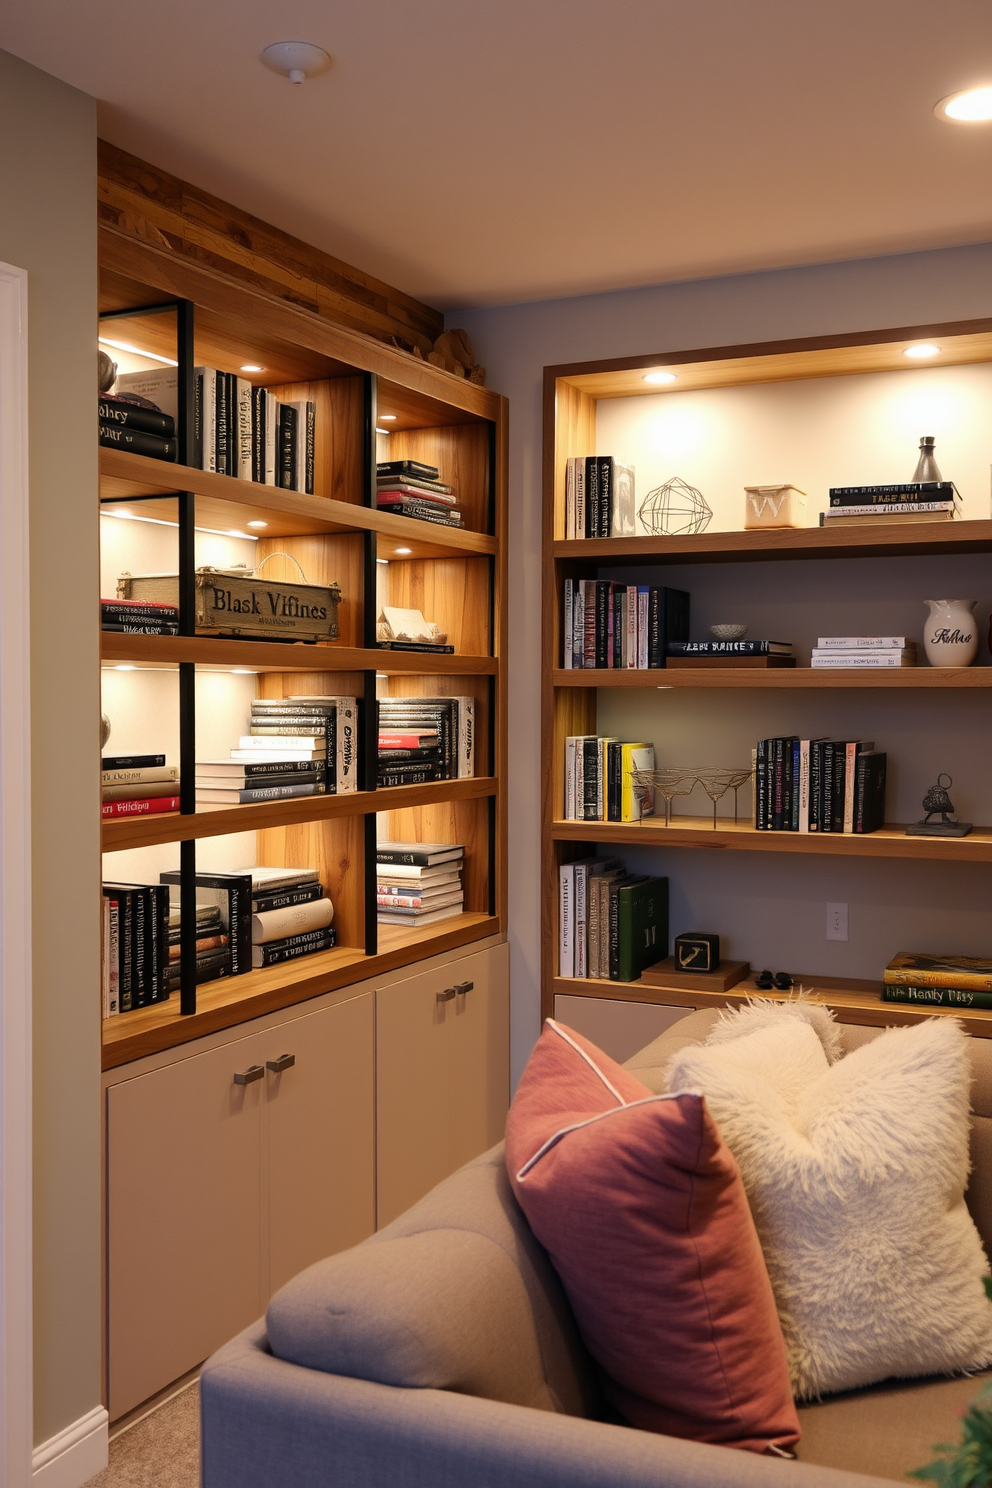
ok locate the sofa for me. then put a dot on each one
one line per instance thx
(441, 1353)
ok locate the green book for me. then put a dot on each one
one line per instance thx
(957, 997)
(642, 927)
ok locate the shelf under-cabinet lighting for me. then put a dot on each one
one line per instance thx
(388, 418)
(123, 667)
(251, 367)
(126, 516)
(660, 377)
(383, 561)
(382, 676)
(137, 351)
(381, 431)
(256, 524)
(922, 350)
(243, 672)
(404, 551)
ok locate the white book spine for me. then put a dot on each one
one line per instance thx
(580, 916)
(600, 778)
(857, 643)
(466, 737)
(566, 624)
(569, 499)
(754, 791)
(580, 779)
(889, 508)
(630, 617)
(880, 659)
(243, 428)
(271, 436)
(580, 496)
(346, 743)
(804, 785)
(570, 778)
(566, 952)
(208, 417)
(642, 629)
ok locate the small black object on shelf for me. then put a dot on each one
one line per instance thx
(781, 981)
(697, 952)
(938, 802)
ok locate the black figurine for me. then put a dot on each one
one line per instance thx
(937, 801)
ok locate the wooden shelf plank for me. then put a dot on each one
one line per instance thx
(220, 821)
(766, 544)
(217, 652)
(854, 1001)
(698, 831)
(779, 679)
(233, 1000)
(226, 503)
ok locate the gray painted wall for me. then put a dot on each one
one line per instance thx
(48, 226)
(779, 917)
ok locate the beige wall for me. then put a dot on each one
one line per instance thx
(48, 227)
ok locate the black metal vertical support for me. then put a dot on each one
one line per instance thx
(371, 908)
(371, 416)
(370, 587)
(184, 356)
(187, 669)
(187, 928)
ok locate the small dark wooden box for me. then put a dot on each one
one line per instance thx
(697, 952)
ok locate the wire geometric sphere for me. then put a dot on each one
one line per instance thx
(675, 508)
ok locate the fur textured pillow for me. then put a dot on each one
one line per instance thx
(855, 1169)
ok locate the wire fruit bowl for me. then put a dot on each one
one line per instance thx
(678, 780)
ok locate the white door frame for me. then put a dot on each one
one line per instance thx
(16, 1428)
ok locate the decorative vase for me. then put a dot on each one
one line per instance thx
(951, 635)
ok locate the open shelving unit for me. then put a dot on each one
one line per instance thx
(177, 310)
(576, 396)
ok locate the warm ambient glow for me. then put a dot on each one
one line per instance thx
(126, 516)
(246, 535)
(258, 524)
(252, 367)
(404, 551)
(925, 349)
(660, 377)
(973, 106)
(137, 351)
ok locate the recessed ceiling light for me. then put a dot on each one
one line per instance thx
(252, 367)
(924, 349)
(972, 106)
(658, 377)
(383, 560)
(387, 418)
(404, 551)
(297, 60)
(123, 667)
(258, 524)
(381, 431)
(137, 351)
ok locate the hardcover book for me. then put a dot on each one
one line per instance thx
(913, 968)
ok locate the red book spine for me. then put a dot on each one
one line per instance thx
(139, 808)
(405, 741)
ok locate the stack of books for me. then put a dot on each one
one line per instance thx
(914, 501)
(410, 489)
(213, 955)
(611, 924)
(818, 785)
(135, 946)
(138, 785)
(426, 738)
(418, 883)
(247, 432)
(610, 625)
(291, 915)
(138, 617)
(136, 424)
(223, 900)
(864, 651)
(296, 746)
(745, 655)
(938, 981)
(599, 497)
(600, 784)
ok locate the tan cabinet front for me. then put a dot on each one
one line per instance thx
(442, 1074)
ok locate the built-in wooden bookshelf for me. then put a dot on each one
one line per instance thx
(361, 387)
(573, 701)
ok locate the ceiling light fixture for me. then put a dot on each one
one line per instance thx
(251, 367)
(404, 551)
(972, 106)
(137, 351)
(297, 60)
(381, 431)
(258, 524)
(123, 667)
(922, 350)
(243, 672)
(388, 418)
(659, 377)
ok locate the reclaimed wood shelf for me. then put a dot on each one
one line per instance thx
(218, 653)
(853, 1001)
(698, 831)
(778, 679)
(220, 821)
(233, 1000)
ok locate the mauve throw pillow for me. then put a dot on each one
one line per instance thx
(640, 1206)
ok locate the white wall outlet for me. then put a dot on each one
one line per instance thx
(836, 921)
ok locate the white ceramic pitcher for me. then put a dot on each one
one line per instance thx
(951, 634)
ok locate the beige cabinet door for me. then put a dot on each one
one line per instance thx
(183, 1217)
(318, 1136)
(442, 1074)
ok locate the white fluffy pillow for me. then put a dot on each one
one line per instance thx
(855, 1171)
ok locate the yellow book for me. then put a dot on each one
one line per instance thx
(635, 800)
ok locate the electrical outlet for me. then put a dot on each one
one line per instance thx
(836, 921)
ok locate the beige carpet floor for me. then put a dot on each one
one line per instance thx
(162, 1451)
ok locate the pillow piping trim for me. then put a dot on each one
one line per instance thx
(559, 1030)
(565, 1131)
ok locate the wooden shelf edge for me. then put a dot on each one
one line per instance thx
(778, 678)
(888, 842)
(854, 1001)
(772, 543)
(149, 1030)
(220, 651)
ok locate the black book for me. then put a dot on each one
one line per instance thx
(258, 434)
(131, 627)
(424, 855)
(793, 758)
(136, 443)
(132, 761)
(592, 496)
(428, 646)
(668, 622)
(604, 593)
(233, 429)
(274, 951)
(869, 791)
(439, 714)
(286, 447)
(590, 779)
(892, 495)
(816, 748)
(128, 415)
(420, 775)
(222, 424)
(123, 609)
(421, 512)
(309, 443)
(124, 895)
(832, 776)
(407, 467)
(778, 784)
(286, 898)
(231, 892)
(206, 971)
(618, 611)
(605, 495)
(236, 773)
(198, 418)
(424, 754)
(728, 648)
(761, 785)
(614, 780)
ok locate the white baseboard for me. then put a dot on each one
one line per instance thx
(73, 1456)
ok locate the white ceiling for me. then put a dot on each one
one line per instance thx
(479, 153)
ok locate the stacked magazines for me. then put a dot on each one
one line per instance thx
(138, 785)
(139, 617)
(914, 501)
(297, 746)
(409, 489)
(938, 981)
(418, 883)
(426, 738)
(864, 652)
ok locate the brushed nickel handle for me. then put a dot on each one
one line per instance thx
(446, 995)
(284, 1062)
(250, 1075)
(462, 987)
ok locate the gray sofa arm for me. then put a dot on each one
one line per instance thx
(269, 1424)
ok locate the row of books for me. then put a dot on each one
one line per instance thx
(913, 501)
(425, 738)
(409, 488)
(611, 625)
(611, 923)
(138, 617)
(601, 781)
(938, 981)
(304, 745)
(418, 883)
(137, 785)
(599, 497)
(864, 652)
(818, 785)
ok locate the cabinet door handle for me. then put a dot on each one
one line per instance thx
(446, 995)
(284, 1062)
(250, 1075)
(462, 987)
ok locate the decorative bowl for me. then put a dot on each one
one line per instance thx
(728, 632)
